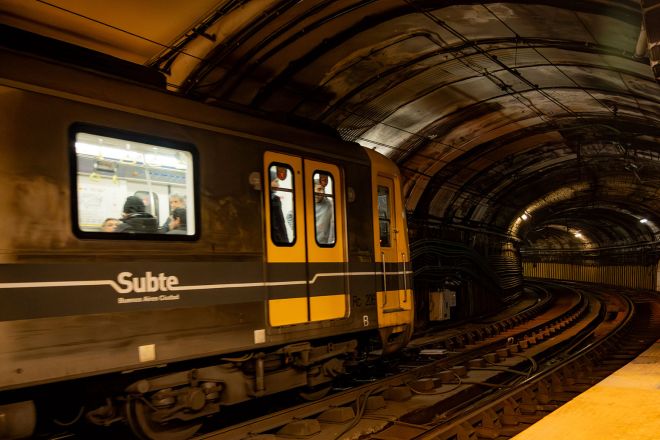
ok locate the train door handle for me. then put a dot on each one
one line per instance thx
(405, 275)
(382, 256)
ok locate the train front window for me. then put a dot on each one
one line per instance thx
(324, 209)
(129, 187)
(384, 216)
(282, 214)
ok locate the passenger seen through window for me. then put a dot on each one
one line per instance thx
(176, 201)
(177, 224)
(282, 218)
(135, 218)
(110, 224)
(110, 170)
(324, 212)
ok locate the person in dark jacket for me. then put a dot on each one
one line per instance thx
(178, 224)
(277, 225)
(135, 219)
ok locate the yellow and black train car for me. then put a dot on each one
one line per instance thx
(141, 229)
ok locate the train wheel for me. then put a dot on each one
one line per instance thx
(139, 416)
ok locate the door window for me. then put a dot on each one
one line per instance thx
(384, 216)
(324, 209)
(282, 202)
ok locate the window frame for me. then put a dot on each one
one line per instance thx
(131, 136)
(384, 219)
(289, 167)
(334, 208)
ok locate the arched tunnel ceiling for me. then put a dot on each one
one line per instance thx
(489, 108)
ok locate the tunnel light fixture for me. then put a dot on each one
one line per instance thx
(643, 220)
(577, 234)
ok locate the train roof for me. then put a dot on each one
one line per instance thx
(100, 81)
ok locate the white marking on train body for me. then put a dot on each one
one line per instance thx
(259, 336)
(147, 353)
(127, 283)
(147, 283)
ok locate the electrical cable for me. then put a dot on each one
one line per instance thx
(360, 409)
(245, 358)
(165, 46)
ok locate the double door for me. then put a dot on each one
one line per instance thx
(305, 245)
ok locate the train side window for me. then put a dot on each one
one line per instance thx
(282, 212)
(384, 216)
(126, 186)
(324, 209)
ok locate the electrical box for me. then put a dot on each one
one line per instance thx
(440, 304)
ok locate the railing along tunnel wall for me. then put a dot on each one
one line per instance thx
(636, 277)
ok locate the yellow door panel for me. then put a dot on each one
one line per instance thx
(394, 302)
(328, 307)
(287, 311)
(386, 232)
(324, 195)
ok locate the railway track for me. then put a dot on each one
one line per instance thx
(488, 381)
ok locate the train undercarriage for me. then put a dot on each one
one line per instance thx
(173, 405)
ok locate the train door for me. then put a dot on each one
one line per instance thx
(394, 295)
(305, 248)
(328, 286)
(286, 271)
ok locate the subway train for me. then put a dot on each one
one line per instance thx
(189, 256)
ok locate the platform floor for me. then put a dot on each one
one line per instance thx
(625, 405)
